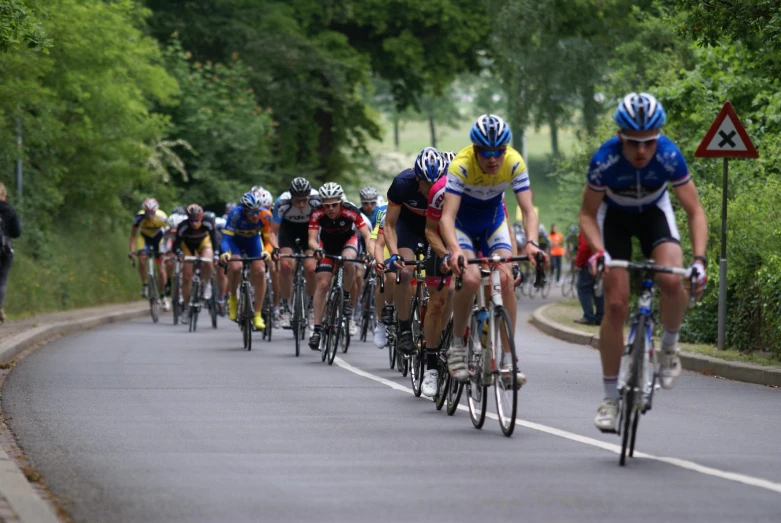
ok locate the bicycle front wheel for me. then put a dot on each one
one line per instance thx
(335, 327)
(476, 392)
(417, 360)
(154, 302)
(246, 314)
(506, 387)
(634, 387)
(175, 296)
(298, 312)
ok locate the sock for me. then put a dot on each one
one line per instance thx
(404, 325)
(346, 295)
(669, 339)
(318, 328)
(611, 390)
(431, 362)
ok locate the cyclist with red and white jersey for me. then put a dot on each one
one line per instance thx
(332, 230)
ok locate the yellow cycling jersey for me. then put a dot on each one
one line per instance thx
(479, 190)
(150, 227)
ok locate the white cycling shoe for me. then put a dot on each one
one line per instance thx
(607, 414)
(207, 292)
(380, 336)
(429, 386)
(670, 363)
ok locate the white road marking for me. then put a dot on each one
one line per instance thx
(682, 463)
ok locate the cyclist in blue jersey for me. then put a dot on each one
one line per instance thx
(626, 195)
(369, 205)
(242, 236)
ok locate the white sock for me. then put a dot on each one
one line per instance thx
(669, 339)
(611, 388)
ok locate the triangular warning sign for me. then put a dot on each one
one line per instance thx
(726, 138)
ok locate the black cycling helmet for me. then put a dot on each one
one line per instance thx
(300, 187)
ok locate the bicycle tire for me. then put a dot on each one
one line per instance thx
(192, 311)
(154, 302)
(364, 327)
(402, 364)
(629, 410)
(213, 308)
(454, 391)
(417, 359)
(545, 291)
(247, 317)
(506, 391)
(476, 391)
(336, 327)
(391, 350)
(175, 307)
(297, 312)
(443, 381)
(324, 336)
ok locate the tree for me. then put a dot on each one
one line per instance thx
(18, 24)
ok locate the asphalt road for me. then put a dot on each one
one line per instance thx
(143, 422)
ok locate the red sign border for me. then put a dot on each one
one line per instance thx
(726, 110)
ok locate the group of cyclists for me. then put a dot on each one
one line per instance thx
(452, 206)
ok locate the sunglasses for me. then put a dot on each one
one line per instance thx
(491, 153)
(368, 203)
(194, 220)
(636, 142)
(330, 205)
(252, 213)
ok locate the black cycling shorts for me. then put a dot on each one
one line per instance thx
(409, 238)
(652, 227)
(289, 232)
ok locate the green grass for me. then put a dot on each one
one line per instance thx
(74, 270)
(414, 136)
(564, 312)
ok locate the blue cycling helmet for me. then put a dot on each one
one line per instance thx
(250, 201)
(640, 112)
(490, 131)
(429, 165)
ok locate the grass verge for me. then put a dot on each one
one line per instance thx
(564, 312)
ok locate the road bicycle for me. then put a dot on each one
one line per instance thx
(196, 290)
(491, 358)
(368, 314)
(334, 321)
(298, 321)
(177, 303)
(211, 303)
(153, 293)
(246, 308)
(638, 375)
(416, 362)
(267, 308)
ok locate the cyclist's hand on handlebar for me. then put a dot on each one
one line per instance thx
(531, 252)
(517, 275)
(225, 257)
(702, 276)
(275, 254)
(594, 259)
(131, 255)
(444, 266)
(319, 254)
(392, 262)
(454, 256)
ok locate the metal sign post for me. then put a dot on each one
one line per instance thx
(726, 138)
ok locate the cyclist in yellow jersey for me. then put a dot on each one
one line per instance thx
(473, 220)
(151, 222)
(383, 300)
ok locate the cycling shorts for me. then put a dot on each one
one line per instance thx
(653, 226)
(189, 248)
(433, 262)
(151, 245)
(289, 232)
(250, 246)
(335, 245)
(484, 236)
(409, 238)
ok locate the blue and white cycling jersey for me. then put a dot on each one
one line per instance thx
(631, 189)
(373, 217)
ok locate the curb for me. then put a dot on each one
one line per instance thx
(25, 502)
(733, 370)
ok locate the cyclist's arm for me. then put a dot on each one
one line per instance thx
(513, 242)
(365, 234)
(433, 238)
(389, 231)
(447, 225)
(531, 223)
(313, 243)
(588, 219)
(379, 248)
(698, 225)
(132, 241)
(178, 238)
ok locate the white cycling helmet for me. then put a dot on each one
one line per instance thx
(331, 190)
(266, 200)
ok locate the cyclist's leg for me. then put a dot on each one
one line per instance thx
(437, 300)
(207, 267)
(323, 277)
(142, 249)
(187, 275)
(286, 268)
(470, 282)
(498, 243)
(350, 251)
(310, 267)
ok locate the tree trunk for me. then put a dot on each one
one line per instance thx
(589, 109)
(433, 130)
(554, 129)
(395, 133)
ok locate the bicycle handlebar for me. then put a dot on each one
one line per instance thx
(539, 258)
(193, 259)
(646, 266)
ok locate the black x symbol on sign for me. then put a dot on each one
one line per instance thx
(727, 139)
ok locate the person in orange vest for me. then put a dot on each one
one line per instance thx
(556, 252)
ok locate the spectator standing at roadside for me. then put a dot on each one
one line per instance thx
(556, 252)
(593, 306)
(9, 228)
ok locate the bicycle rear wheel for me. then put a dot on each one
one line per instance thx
(443, 382)
(246, 314)
(194, 304)
(298, 312)
(391, 349)
(175, 296)
(506, 386)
